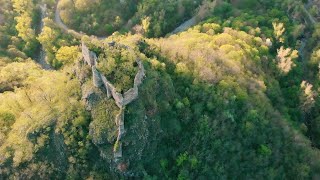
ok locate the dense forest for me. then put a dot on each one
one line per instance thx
(159, 89)
(103, 17)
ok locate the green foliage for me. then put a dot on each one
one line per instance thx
(212, 104)
(119, 66)
(182, 158)
(7, 119)
(60, 48)
(233, 97)
(39, 120)
(103, 125)
(264, 150)
(18, 74)
(18, 39)
(165, 15)
(68, 54)
(103, 17)
(98, 17)
(315, 58)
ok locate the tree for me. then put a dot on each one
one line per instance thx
(109, 29)
(46, 37)
(285, 59)
(278, 31)
(22, 6)
(117, 21)
(315, 58)
(24, 28)
(68, 54)
(308, 96)
(82, 5)
(146, 24)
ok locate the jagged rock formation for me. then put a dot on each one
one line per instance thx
(121, 100)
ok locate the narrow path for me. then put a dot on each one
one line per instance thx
(305, 8)
(64, 27)
(184, 26)
(301, 48)
(311, 21)
(196, 18)
(310, 17)
(42, 54)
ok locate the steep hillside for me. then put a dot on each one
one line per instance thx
(236, 96)
(216, 97)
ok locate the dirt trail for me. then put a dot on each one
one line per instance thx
(304, 41)
(310, 17)
(184, 26)
(42, 54)
(203, 10)
(63, 26)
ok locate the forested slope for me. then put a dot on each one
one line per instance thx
(103, 17)
(234, 97)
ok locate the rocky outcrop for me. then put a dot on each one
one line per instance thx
(121, 100)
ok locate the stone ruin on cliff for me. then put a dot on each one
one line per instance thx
(121, 100)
